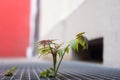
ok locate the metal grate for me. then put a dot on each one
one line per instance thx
(68, 71)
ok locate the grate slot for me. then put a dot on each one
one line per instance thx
(22, 73)
(64, 77)
(106, 76)
(16, 75)
(80, 77)
(34, 71)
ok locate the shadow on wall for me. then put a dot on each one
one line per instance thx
(94, 52)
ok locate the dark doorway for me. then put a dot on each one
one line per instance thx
(96, 49)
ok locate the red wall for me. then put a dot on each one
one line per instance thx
(14, 27)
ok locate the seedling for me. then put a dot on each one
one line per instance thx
(10, 71)
(45, 47)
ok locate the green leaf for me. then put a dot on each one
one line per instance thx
(80, 40)
(10, 71)
(43, 51)
(42, 54)
(47, 73)
(60, 52)
(74, 44)
(43, 74)
(67, 49)
(83, 42)
(80, 34)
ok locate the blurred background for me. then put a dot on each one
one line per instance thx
(23, 22)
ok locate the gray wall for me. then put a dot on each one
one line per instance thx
(88, 18)
(98, 18)
(111, 29)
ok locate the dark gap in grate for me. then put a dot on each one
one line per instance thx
(80, 77)
(70, 76)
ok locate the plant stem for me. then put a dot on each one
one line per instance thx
(54, 61)
(54, 64)
(59, 63)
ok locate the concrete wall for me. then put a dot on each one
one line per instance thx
(111, 31)
(53, 12)
(98, 18)
(87, 18)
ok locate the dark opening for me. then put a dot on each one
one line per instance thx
(94, 52)
(96, 49)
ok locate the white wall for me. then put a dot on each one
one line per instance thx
(112, 33)
(87, 18)
(54, 11)
(53, 14)
(50, 14)
(98, 18)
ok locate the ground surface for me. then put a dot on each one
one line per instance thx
(68, 71)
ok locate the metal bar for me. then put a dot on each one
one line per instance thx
(28, 70)
(35, 73)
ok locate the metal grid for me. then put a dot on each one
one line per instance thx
(68, 71)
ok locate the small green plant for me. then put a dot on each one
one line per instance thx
(45, 47)
(10, 71)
